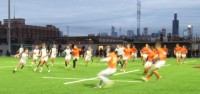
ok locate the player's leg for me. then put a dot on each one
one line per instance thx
(74, 62)
(183, 58)
(46, 63)
(37, 65)
(41, 65)
(124, 65)
(17, 66)
(52, 60)
(103, 76)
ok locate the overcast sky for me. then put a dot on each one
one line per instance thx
(94, 16)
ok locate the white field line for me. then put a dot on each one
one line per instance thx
(191, 61)
(128, 81)
(94, 78)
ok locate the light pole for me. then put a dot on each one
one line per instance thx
(9, 28)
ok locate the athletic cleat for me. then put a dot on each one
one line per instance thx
(35, 70)
(14, 71)
(40, 71)
(145, 79)
(49, 70)
(159, 77)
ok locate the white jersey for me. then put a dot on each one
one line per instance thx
(36, 52)
(21, 50)
(88, 53)
(24, 58)
(120, 51)
(68, 55)
(44, 53)
(53, 51)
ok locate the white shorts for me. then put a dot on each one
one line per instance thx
(87, 57)
(183, 55)
(22, 61)
(45, 59)
(148, 64)
(107, 72)
(178, 54)
(125, 57)
(134, 54)
(53, 56)
(159, 64)
(68, 57)
(144, 55)
(35, 57)
(76, 57)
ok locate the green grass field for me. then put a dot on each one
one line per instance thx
(182, 79)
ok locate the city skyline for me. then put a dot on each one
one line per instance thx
(94, 16)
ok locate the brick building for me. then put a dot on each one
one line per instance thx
(22, 33)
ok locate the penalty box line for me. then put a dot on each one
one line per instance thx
(94, 78)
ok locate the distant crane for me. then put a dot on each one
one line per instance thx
(138, 16)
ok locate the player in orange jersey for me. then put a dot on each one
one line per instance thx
(184, 52)
(177, 53)
(145, 51)
(165, 49)
(134, 52)
(75, 52)
(112, 64)
(151, 55)
(127, 54)
(160, 61)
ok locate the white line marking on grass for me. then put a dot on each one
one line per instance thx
(191, 61)
(94, 78)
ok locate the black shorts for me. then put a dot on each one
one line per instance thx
(119, 56)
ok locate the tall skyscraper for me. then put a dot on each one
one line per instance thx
(130, 33)
(163, 31)
(113, 32)
(145, 32)
(175, 26)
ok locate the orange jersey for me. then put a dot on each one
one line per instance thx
(112, 63)
(145, 50)
(127, 52)
(134, 50)
(178, 49)
(165, 49)
(184, 51)
(161, 54)
(151, 55)
(76, 52)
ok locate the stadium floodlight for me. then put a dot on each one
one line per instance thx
(189, 26)
(9, 29)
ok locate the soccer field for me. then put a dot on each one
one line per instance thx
(181, 79)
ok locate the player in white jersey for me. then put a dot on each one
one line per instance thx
(54, 53)
(22, 61)
(44, 58)
(19, 52)
(120, 51)
(88, 55)
(67, 52)
(35, 54)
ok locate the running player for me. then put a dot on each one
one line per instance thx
(160, 61)
(165, 49)
(120, 51)
(134, 53)
(151, 55)
(19, 52)
(127, 54)
(54, 53)
(22, 61)
(35, 54)
(184, 52)
(145, 51)
(67, 52)
(75, 53)
(112, 62)
(44, 58)
(177, 53)
(88, 56)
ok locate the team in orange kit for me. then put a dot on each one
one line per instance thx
(75, 53)
(184, 52)
(144, 53)
(160, 61)
(112, 64)
(177, 53)
(134, 52)
(127, 54)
